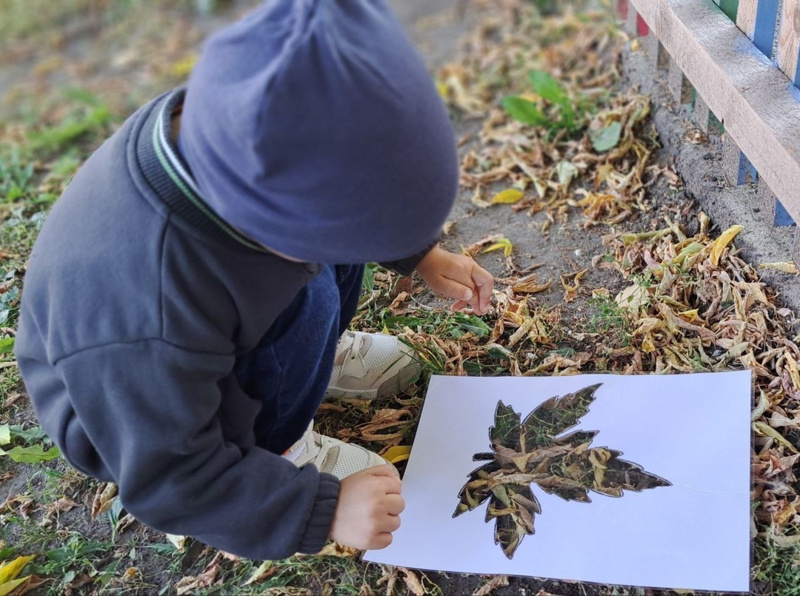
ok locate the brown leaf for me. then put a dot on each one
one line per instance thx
(498, 581)
(30, 585)
(204, 580)
(334, 549)
(413, 583)
(103, 499)
(529, 285)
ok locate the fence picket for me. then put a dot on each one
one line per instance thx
(760, 112)
(746, 17)
(729, 7)
(789, 40)
(758, 19)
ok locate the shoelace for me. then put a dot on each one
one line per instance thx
(355, 348)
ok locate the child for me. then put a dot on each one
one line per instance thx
(184, 302)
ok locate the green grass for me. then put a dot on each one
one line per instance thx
(88, 115)
(608, 319)
(44, 21)
(777, 567)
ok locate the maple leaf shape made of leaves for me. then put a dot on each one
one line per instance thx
(535, 451)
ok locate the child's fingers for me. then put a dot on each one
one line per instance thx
(385, 470)
(456, 288)
(389, 524)
(458, 305)
(395, 504)
(381, 541)
(484, 282)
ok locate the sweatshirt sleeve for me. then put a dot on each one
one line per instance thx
(152, 412)
(406, 266)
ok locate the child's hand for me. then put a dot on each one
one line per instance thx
(457, 277)
(369, 508)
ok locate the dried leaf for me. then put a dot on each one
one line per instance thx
(412, 582)
(11, 569)
(503, 244)
(633, 297)
(204, 580)
(261, 573)
(785, 267)
(566, 172)
(721, 243)
(103, 499)
(497, 581)
(397, 453)
(763, 429)
(531, 286)
(334, 549)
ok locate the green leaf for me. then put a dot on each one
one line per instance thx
(30, 435)
(473, 324)
(368, 281)
(550, 89)
(524, 111)
(5, 434)
(6, 345)
(607, 137)
(33, 455)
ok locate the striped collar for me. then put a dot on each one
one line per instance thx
(169, 175)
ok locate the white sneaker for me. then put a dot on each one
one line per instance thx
(331, 456)
(371, 365)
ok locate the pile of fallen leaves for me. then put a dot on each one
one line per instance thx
(692, 303)
(565, 141)
(697, 306)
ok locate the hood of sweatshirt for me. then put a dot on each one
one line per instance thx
(314, 128)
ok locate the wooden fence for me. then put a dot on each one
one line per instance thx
(741, 59)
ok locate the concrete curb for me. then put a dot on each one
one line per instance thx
(699, 159)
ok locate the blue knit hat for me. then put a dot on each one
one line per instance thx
(313, 127)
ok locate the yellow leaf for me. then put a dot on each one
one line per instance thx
(507, 197)
(397, 453)
(723, 241)
(690, 315)
(183, 67)
(9, 571)
(688, 251)
(503, 244)
(8, 587)
(765, 430)
(786, 267)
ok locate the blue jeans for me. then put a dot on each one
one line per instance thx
(290, 368)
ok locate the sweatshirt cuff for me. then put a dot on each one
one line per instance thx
(319, 522)
(406, 266)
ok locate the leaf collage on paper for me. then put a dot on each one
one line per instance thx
(535, 451)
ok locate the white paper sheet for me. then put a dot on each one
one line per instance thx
(692, 430)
